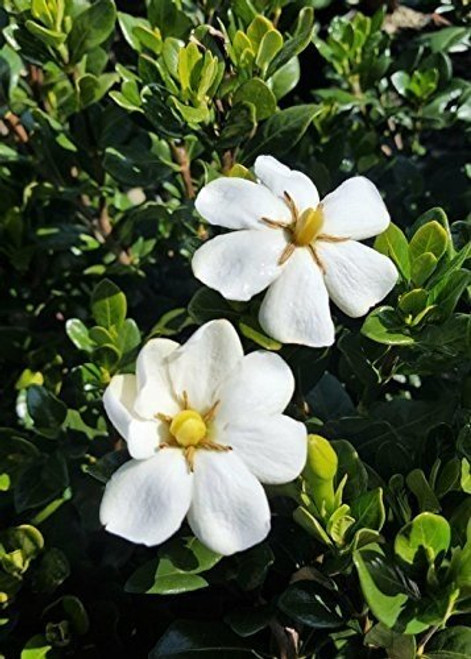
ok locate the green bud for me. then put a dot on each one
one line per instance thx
(322, 461)
(320, 472)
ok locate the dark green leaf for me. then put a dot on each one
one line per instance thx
(109, 306)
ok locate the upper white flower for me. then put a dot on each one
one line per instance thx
(302, 249)
(204, 426)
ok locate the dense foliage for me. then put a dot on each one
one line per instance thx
(113, 116)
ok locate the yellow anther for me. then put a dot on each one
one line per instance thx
(308, 226)
(188, 428)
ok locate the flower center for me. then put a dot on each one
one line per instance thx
(188, 428)
(308, 226)
(304, 229)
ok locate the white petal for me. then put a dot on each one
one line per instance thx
(229, 511)
(262, 383)
(142, 436)
(146, 501)
(296, 306)
(155, 393)
(273, 447)
(240, 264)
(118, 400)
(355, 210)
(357, 277)
(200, 365)
(280, 179)
(236, 203)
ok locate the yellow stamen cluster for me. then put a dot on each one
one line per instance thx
(305, 229)
(188, 428)
(190, 431)
(308, 226)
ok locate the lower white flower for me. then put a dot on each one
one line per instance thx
(302, 249)
(204, 426)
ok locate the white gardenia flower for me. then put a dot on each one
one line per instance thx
(204, 426)
(303, 250)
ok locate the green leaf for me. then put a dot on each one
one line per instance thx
(453, 643)
(92, 88)
(310, 604)
(422, 267)
(285, 79)
(253, 566)
(393, 243)
(239, 126)
(329, 399)
(383, 590)
(251, 329)
(53, 570)
(37, 648)
(413, 302)
(368, 510)
(128, 25)
(109, 306)
(203, 640)
(107, 355)
(134, 165)
(41, 482)
(382, 325)
(249, 621)
(178, 571)
(448, 290)
(78, 334)
(398, 646)
(427, 533)
(129, 336)
(300, 40)
(419, 485)
(257, 29)
(91, 28)
(349, 464)
(25, 537)
(49, 37)
(206, 304)
(311, 525)
(270, 45)
(47, 411)
(168, 18)
(429, 238)
(280, 132)
(256, 92)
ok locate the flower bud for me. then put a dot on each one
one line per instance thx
(322, 460)
(320, 472)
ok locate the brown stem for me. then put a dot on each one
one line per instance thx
(426, 639)
(17, 127)
(105, 229)
(181, 156)
(227, 161)
(286, 639)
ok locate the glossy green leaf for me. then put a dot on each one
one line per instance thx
(109, 306)
(368, 510)
(453, 643)
(426, 533)
(256, 91)
(280, 132)
(177, 571)
(47, 411)
(308, 603)
(91, 28)
(185, 639)
(393, 243)
(382, 325)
